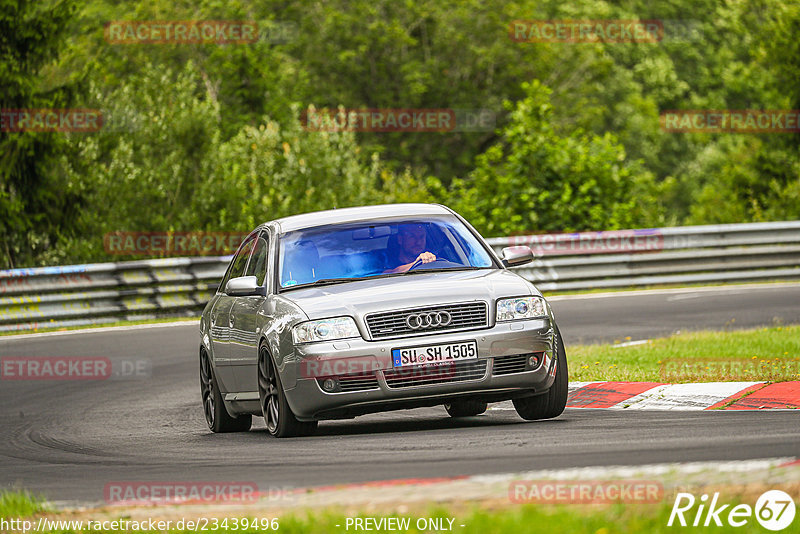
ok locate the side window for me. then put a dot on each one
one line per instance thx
(238, 264)
(258, 262)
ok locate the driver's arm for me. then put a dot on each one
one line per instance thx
(425, 257)
(400, 268)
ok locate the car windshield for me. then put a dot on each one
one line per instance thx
(340, 253)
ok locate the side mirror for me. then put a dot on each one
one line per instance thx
(515, 256)
(244, 286)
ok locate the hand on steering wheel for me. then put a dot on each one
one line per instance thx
(425, 257)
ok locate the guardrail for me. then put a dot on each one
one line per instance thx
(678, 255)
(72, 295)
(47, 297)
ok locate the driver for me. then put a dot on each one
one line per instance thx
(411, 239)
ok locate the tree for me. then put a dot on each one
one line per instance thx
(536, 180)
(36, 204)
(162, 164)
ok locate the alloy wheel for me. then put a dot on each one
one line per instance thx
(207, 389)
(268, 391)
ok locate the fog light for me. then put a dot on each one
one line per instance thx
(329, 385)
(533, 361)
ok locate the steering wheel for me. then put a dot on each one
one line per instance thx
(438, 263)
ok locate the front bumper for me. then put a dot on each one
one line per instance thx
(490, 377)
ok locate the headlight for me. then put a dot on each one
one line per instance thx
(325, 330)
(521, 308)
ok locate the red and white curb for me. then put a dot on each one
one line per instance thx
(695, 396)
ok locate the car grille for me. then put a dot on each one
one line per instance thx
(506, 365)
(390, 324)
(351, 383)
(430, 375)
(510, 364)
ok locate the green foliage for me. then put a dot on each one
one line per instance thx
(274, 170)
(537, 180)
(35, 203)
(141, 171)
(745, 179)
(162, 164)
(208, 136)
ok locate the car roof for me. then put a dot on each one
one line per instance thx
(361, 213)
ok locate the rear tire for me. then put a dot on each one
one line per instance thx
(466, 408)
(281, 422)
(217, 417)
(552, 403)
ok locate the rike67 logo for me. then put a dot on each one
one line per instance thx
(774, 510)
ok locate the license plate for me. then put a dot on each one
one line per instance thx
(433, 354)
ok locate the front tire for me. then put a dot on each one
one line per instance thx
(217, 417)
(552, 403)
(281, 422)
(465, 408)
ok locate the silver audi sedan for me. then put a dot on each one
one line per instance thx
(340, 313)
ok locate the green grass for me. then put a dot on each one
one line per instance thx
(510, 518)
(524, 519)
(764, 354)
(20, 504)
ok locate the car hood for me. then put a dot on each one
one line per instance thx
(415, 290)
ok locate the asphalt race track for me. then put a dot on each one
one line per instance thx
(68, 439)
(642, 314)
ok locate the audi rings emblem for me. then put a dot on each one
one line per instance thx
(418, 321)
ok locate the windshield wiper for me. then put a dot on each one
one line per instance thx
(325, 282)
(330, 281)
(442, 269)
